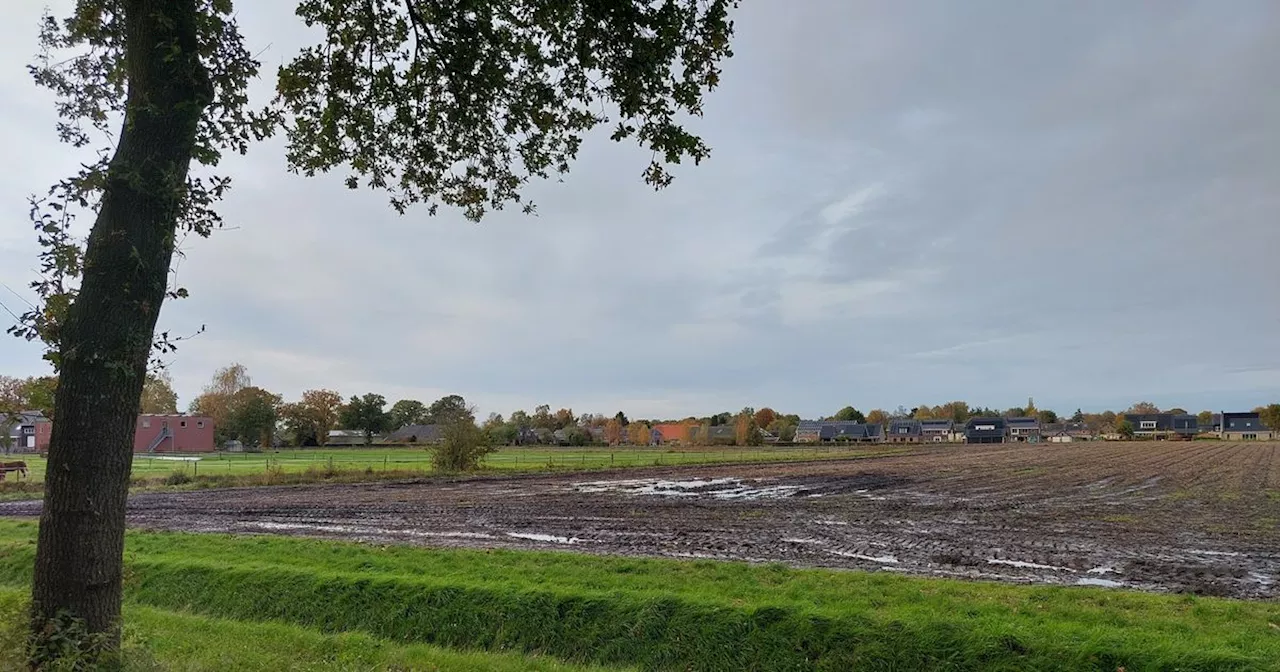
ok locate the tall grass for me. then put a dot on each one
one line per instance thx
(157, 640)
(657, 614)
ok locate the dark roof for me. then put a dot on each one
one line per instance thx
(1023, 423)
(415, 434)
(996, 425)
(936, 425)
(904, 427)
(1242, 422)
(839, 429)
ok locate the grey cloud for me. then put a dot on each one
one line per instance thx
(906, 203)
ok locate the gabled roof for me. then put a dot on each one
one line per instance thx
(1022, 423)
(936, 425)
(416, 433)
(904, 427)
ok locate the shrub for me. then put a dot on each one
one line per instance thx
(177, 478)
(463, 447)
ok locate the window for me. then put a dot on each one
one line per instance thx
(1249, 437)
(200, 424)
(182, 423)
(1147, 424)
(984, 428)
(146, 423)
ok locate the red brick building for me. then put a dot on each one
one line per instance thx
(173, 434)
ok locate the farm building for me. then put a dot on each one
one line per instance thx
(808, 431)
(936, 431)
(903, 431)
(173, 434)
(345, 437)
(815, 431)
(29, 432)
(1244, 427)
(1162, 425)
(1023, 430)
(984, 430)
(416, 434)
(1065, 432)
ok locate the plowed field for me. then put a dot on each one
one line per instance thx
(1191, 517)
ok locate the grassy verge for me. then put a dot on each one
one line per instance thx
(657, 614)
(157, 639)
(287, 467)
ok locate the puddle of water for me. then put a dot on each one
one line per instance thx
(1103, 570)
(716, 488)
(1105, 583)
(1027, 565)
(872, 558)
(356, 529)
(551, 538)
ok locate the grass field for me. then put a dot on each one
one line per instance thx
(534, 458)
(648, 614)
(159, 639)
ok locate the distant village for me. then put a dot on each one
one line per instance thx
(30, 432)
(233, 415)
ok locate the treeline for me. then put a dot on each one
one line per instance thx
(255, 416)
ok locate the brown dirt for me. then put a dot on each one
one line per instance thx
(1189, 517)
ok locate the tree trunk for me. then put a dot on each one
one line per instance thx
(106, 339)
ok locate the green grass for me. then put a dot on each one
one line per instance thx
(660, 614)
(157, 639)
(360, 464)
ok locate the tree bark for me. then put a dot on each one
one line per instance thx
(106, 339)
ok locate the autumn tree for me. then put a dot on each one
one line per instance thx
(784, 428)
(12, 403)
(449, 409)
(39, 394)
(765, 417)
(314, 415)
(1204, 417)
(408, 412)
(542, 418)
(1270, 416)
(849, 414)
(158, 397)
(435, 103)
(1143, 407)
(877, 417)
(215, 400)
(613, 432)
(1125, 429)
(564, 418)
(251, 416)
(956, 411)
(745, 431)
(366, 414)
(639, 434)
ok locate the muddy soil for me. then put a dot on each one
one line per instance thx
(1201, 518)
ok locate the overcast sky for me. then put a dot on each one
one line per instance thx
(906, 203)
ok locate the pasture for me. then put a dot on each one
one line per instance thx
(417, 461)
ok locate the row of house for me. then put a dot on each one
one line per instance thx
(175, 433)
(1244, 426)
